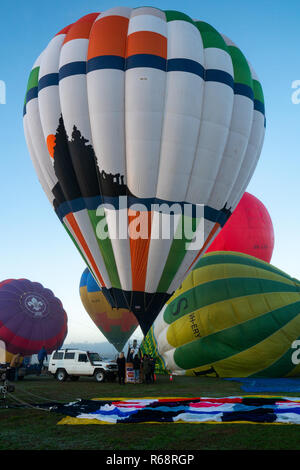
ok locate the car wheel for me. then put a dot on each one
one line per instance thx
(61, 375)
(99, 376)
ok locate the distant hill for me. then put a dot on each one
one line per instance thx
(105, 349)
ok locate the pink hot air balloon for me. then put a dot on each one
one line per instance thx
(249, 230)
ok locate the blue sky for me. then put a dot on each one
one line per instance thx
(33, 243)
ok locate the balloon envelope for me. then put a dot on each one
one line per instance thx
(130, 117)
(117, 325)
(249, 230)
(30, 317)
(234, 316)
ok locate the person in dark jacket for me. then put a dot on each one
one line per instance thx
(147, 368)
(136, 368)
(152, 375)
(42, 355)
(121, 368)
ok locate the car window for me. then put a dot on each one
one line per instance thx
(69, 355)
(94, 357)
(82, 358)
(58, 355)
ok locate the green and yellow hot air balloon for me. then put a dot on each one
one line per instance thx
(233, 316)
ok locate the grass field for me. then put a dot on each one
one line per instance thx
(26, 428)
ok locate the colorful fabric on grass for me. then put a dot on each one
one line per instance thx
(248, 409)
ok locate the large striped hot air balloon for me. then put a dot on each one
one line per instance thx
(249, 230)
(138, 110)
(234, 316)
(30, 317)
(117, 325)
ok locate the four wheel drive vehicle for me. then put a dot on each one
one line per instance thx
(74, 363)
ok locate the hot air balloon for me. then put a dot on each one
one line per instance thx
(138, 120)
(249, 230)
(234, 316)
(117, 325)
(30, 317)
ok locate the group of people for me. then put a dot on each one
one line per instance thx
(143, 367)
(148, 367)
(20, 360)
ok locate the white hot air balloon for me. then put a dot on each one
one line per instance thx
(128, 113)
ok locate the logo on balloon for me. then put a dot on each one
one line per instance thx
(35, 305)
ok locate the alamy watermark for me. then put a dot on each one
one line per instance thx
(296, 94)
(158, 222)
(2, 92)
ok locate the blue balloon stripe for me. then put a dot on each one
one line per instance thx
(151, 61)
(219, 76)
(73, 68)
(139, 60)
(31, 94)
(51, 79)
(105, 62)
(259, 106)
(185, 65)
(146, 60)
(244, 90)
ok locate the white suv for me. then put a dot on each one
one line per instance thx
(74, 363)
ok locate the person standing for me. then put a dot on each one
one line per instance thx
(42, 355)
(136, 368)
(147, 368)
(121, 362)
(152, 374)
(14, 366)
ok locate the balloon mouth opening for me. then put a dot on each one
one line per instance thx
(34, 305)
(145, 306)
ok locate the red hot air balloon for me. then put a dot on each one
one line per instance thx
(249, 230)
(30, 317)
